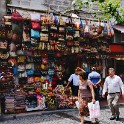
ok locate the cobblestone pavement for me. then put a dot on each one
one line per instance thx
(68, 117)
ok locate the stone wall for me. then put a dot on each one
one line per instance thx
(2, 8)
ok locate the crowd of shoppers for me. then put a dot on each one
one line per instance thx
(87, 88)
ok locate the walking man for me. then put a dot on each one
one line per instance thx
(113, 84)
(95, 79)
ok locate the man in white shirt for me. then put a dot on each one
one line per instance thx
(113, 84)
(74, 78)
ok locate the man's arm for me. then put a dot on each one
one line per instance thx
(98, 81)
(105, 87)
(121, 85)
(69, 80)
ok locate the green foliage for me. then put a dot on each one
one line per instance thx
(8, 1)
(109, 8)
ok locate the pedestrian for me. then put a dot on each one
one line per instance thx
(85, 95)
(113, 85)
(74, 79)
(95, 78)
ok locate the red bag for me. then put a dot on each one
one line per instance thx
(16, 16)
(35, 25)
(44, 60)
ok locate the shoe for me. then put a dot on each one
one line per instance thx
(112, 118)
(117, 118)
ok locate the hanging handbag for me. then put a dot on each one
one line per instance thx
(12, 61)
(44, 37)
(3, 45)
(35, 34)
(21, 68)
(45, 60)
(16, 16)
(20, 52)
(28, 53)
(30, 72)
(12, 47)
(26, 36)
(28, 66)
(35, 25)
(51, 72)
(44, 66)
(30, 80)
(61, 21)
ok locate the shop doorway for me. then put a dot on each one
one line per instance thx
(120, 68)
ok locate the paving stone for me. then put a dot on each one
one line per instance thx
(68, 117)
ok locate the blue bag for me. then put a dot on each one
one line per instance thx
(35, 34)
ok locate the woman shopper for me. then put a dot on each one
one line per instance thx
(85, 95)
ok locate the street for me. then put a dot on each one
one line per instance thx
(68, 117)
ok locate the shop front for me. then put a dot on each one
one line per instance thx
(38, 52)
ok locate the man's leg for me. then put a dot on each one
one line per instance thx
(96, 90)
(115, 103)
(110, 99)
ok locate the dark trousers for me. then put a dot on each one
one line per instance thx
(96, 91)
(75, 90)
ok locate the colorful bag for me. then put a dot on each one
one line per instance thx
(61, 21)
(51, 72)
(35, 34)
(28, 66)
(3, 45)
(44, 37)
(44, 66)
(26, 36)
(12, 47)
(44, 60)
(35, 25)
(30, 80)
(28, 53)
(16, 16)
(30, 72)
(20, 52)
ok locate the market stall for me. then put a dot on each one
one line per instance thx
(36, 53)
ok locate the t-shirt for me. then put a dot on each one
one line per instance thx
(94, 76)
(84, 91)
(75, 79)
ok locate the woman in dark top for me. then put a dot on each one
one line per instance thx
(85, 95)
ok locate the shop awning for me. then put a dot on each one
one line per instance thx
(119, 28)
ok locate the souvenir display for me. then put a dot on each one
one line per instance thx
(34, 63)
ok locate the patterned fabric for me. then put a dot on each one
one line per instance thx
(83, 107)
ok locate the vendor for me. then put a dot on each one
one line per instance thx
(74, 78)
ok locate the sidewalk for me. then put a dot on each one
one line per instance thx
(103, 104)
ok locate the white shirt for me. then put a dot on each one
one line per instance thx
(112, 84)
(75, 79)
